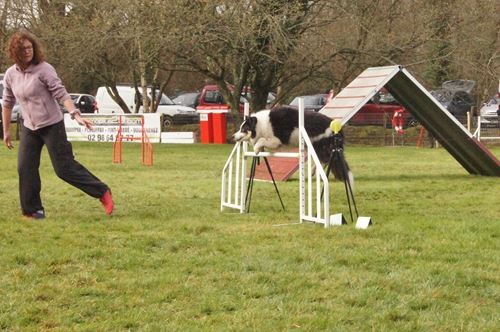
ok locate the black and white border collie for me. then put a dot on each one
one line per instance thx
(271, 129)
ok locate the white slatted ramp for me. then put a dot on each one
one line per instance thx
(350, 100)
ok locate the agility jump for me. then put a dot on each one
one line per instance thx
(146, 146)
(313, 181)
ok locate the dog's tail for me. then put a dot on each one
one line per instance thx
(333, 156)
(341, 170)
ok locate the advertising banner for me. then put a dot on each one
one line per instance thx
(105, 127)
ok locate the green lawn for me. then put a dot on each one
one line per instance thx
(170, 260)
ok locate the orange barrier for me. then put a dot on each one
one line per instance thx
(146, 146)
(420, 136)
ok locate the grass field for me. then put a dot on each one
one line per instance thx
(170, 260)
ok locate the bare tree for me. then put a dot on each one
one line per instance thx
(107, 43)
(288, 46)
(279, 34)
(370, 33)
(440, 46)
(4, 11)
(477, 45)
(243, 43)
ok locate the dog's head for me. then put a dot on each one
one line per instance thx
(247, 129)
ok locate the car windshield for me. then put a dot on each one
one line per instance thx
(165, 100)
(443, 95)
(459, 85)
(387, 98)
(248, 95)
(187, 98)
(309, 100)
(494, 101)
(270, 98)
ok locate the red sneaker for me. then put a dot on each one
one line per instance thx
(107, 202)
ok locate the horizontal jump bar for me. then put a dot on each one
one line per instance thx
(273, 154)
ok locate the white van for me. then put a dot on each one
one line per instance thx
(173, 113)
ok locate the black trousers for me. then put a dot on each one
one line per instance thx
(63, 162)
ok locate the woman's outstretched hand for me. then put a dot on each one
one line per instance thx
(83, 122)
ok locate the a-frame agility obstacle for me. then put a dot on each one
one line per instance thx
(450, 133)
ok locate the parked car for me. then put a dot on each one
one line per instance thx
(16, 113)
(85, 103)
(271, 97)
(15, 110)
(211, 98)
(380, 110)
(189, 99)
(311, 102)
(456, 96)
(457, 102)
(490, 111)
(172, 113)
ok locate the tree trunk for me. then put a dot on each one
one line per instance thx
(113, 92)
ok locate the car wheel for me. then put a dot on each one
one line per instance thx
(167, 121)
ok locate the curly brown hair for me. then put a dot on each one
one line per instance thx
(15, 48)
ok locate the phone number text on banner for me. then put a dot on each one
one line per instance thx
(105, 128)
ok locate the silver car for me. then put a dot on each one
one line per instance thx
(311, 102)
(490, 111)
(16, 113)
(16, 110)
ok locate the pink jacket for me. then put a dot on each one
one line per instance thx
(38, 90)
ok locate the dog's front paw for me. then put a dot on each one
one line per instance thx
(258, 148)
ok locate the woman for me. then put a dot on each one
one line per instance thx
(35, 85)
